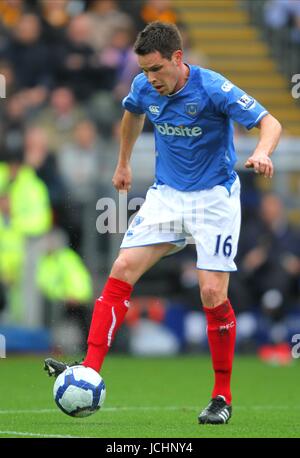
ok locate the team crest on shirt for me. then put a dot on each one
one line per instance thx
(191, 108)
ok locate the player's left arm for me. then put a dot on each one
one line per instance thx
(270, 131)
(245, 110)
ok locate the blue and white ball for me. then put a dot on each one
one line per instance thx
(79, 391)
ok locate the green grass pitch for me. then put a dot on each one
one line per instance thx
(153, 397)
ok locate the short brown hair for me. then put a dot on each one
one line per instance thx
(158, 36)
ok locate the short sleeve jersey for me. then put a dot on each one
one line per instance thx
(194, 128)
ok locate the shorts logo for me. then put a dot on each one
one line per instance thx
(191, 108)
(154, 109)
(137, 220)
(246, 102)
(227, 86)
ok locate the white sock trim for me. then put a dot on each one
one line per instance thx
(111, 329)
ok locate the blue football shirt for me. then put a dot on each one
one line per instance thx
(194, 128)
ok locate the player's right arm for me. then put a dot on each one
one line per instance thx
(131, 127)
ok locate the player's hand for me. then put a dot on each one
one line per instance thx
(122, 178)
(261, 163)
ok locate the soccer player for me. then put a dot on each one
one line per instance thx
(196, 191)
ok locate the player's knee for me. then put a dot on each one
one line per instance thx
(122, 268)
(210, 295)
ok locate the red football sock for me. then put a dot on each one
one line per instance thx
(221, 331)
(109, 313)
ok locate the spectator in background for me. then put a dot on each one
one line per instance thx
(13, 115)
(295, 32)
(12, 252)
(81, 161)
(81, 164)
(8, 73)
(10, 13)
(284, 13)
(120, 58)
(106, 17)
(193, 56)
(25, 216)
(29, 205)
(60, 118)
(280, 13)
(77, 64)
(55, 17)
(66, 285)
(30, 61)
(44, 162)
(269, 260)
(15, 112)
(158, 10)
(133, 9)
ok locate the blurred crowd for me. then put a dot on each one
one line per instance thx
(67, 66)
(265, 291)
(284, 14)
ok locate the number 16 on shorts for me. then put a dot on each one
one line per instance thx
(223, 245)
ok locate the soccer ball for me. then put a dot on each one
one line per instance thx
(79, 391)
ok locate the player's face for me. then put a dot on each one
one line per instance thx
(165, 75)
